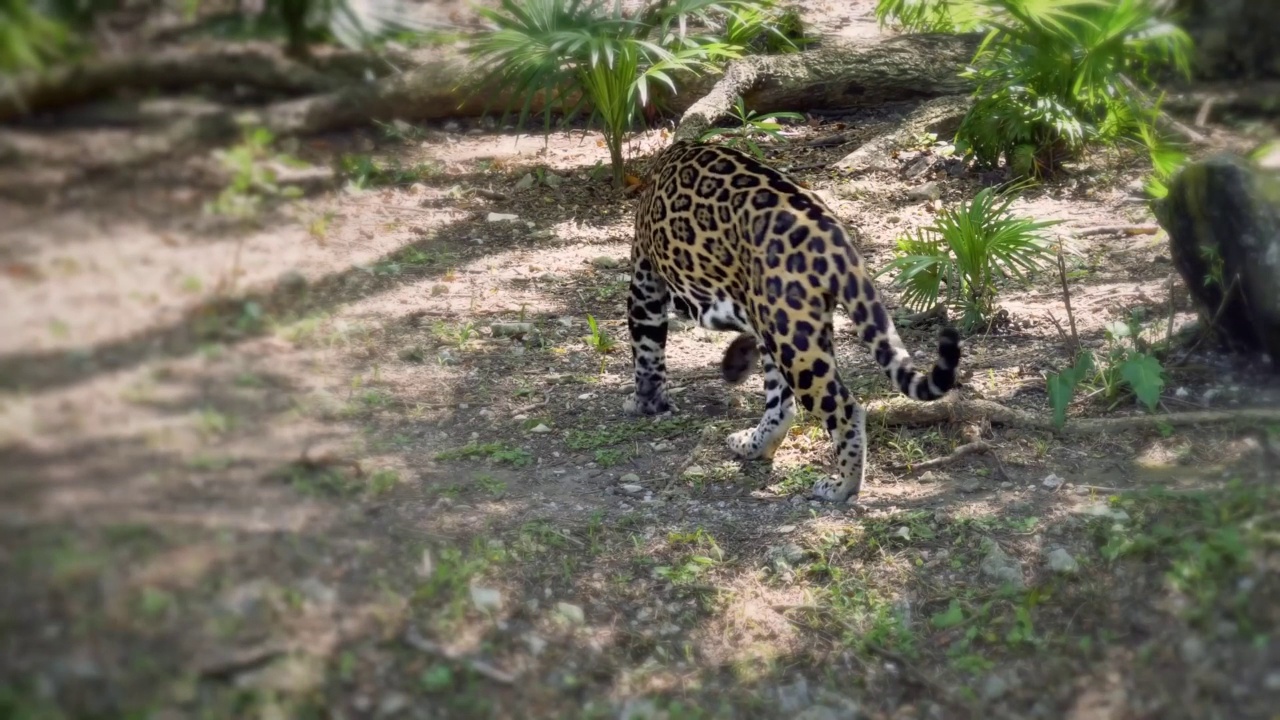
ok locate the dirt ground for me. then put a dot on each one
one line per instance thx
(354, 457)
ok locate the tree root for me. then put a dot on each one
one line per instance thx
(961, 452)
(902, 411)
(941, 116)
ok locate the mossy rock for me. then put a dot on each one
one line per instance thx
(1223, 219)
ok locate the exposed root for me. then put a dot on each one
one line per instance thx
(963, 451)
(479, 667)
(902, 411)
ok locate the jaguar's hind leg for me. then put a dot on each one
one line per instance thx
(806, 360)
(762, 441)
(647, 321)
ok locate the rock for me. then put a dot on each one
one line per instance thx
(501, 217)
(969, 485)
(571, 613)
(1272, 682)
(631, 488)
(1103, 510)
(1060, 561)
(552, 180)
(486, 599)
(793, 697)
(1192, 650)
(291, 281)
(525, 182)
(535, 644)
(512, 330)
(540, 428)
(994, 687)
(919, 166)
(318, 593)
(927, 191)
(1053, 482)
(786, 555)
(629, 478)
(694, 471)
(903, 532)
(294, 674)
(1223, 219)
(640, 709)
(604, 262)
(818, 712)
(393, 703)
(998, 565)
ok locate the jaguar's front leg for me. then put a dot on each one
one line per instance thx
(647, 321)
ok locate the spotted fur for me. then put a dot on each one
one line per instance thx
(737, 246)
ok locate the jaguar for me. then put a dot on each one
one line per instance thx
(737, 246)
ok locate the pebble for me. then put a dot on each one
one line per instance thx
(573, 613)
(1060, 561)
(1053, 482)
(999, 566)
(486, 599)
(540, 428)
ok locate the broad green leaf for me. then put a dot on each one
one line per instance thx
(949, 618)
(1145, 376)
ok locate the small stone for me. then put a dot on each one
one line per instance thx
(552, 180)
(1104, 510)
(439, 289)
(587, 396)
(1272, 681)
(663, 446)
(512, 330)
(393, 703)
(571, 612)
(1052, 481)
(1192, 649)
(994, 687)
(1060, 561)
(903, 532)
(640, 709)
(784, 529)
(969, 485)
(604, 262)
(927, 191)
(793, 697)
(535, 644)
(317, 592)
(629, 478)
(998, 565)
(291, 281)
(818, 712)
(694, 471)
(501, 217)
(486, 599)
(631, 488)
(540, 428)
(525, 182)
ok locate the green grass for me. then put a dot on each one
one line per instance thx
(493, 451)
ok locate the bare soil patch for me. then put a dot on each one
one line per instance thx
(354, 458)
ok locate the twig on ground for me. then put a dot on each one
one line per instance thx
(1202, 115)
(970, 448)
(1166, 120)
(1126, 230)
(480, 667)
(1074, 345)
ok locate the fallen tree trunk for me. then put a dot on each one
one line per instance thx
(836, 76)
(829, 77)
(225, 65)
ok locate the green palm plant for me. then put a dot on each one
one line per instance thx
(964, 250)
(29, 38)
(579, 54)
(1054, 74)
